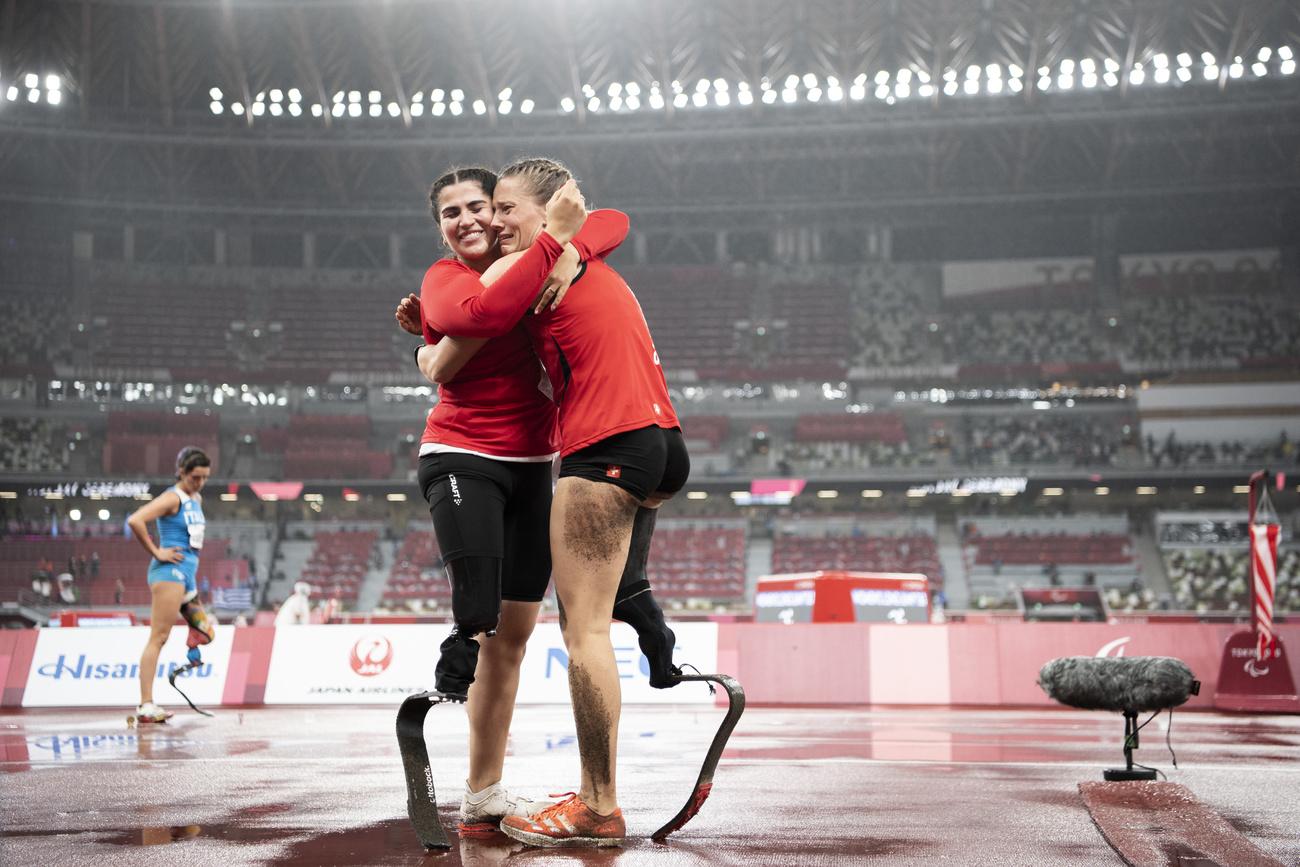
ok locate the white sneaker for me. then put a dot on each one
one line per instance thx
(481, 812)
(151, 713)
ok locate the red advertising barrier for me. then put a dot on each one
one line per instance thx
(983, 664)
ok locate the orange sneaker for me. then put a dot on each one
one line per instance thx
(568, 823)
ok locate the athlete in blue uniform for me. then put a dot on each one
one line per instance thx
(179, 513)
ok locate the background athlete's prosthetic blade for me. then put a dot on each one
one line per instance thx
(421, 804)
(194, 662)
(704, 784)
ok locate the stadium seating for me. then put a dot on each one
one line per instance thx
(911, 552)
(697, 561)
(416, 580)
(1218, 579)
(339, 561)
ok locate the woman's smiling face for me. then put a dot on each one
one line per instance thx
(465, 220)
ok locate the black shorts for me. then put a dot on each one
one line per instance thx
(645, 461)
(487, 508)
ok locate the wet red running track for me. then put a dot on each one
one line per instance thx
(798, 786)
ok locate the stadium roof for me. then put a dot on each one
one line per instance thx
(678, 110)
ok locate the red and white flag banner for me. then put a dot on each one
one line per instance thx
(1263, 580)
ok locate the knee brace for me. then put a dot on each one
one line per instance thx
(475, 594)
(202, 627)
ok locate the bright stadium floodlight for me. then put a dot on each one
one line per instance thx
(1160, 61)
(722, 99)
(12, 93)
(295, 109)
(277, 95)
(259, 109)
(657, 100)
(354, 109)
(317, 110)
(994, 85)
(456, 109)
(436, 95)
(1044, 83)
(789, 95)
(1015, 71)
(505, 107)
(340, 96)
(215, 93)
(677, 87)
(354, 96)
(1087, 65)
(857, 93)
(1259, 69)
(1265, 53)
(295, 95)
(54, 97)
(32, 80)
(458, 95)
(700, 99)
(1184, 59)
(616, 103)
(479, 106)
(950, 75)
(417, 109)
(926, 91)
(338, 109)
(1065, 82)
(615, 89)
(902, 90)
(1184, 74)
(721, 85)
(593, 104)
(237, 109)
(815, 94)
(1111, 79)
(769, 97)
(1014, 85)
(1088, 80)
(971, 86)
(832, 81)
(1162, 75)
(1136, 75)
(904, 76)
(633, 102)
(526, 107)
(791, 81)
(1209, 59)
(261, 96)
(1287, 67)
(276, 109)
(216, 107)
(394, 109)
(809, 80)
(993, 70)
(566, 105)
(588, 91)
(376, 109)
(506, 93)
(1067, 67)
(745, 97)
(33, 95)
(438, 109)
(702, 85)
(882, 77)
(680, 100)
(949, 88)
(632, 88)
(1237, 69)
(972, 72)
(375, 97)
(1211, 73)
(836, 93)
(882, 91)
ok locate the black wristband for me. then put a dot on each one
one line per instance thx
(416, 354)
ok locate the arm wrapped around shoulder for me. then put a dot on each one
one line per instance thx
(1134, 683)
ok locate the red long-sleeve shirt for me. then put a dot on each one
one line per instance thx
(495, 405)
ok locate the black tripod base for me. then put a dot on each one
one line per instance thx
(1126, 775)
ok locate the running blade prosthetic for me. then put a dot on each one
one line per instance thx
(421, 803)
(704, 784)
(194, 662)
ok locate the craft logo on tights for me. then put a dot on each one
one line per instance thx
(371, 655)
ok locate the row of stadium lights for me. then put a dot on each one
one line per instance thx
(277, 102)
(31, 88)
(990, 79)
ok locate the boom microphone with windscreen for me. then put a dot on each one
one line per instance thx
(1130, 685)
(1136, 683)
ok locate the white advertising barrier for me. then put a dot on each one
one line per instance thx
(382, 664)
(100, 668)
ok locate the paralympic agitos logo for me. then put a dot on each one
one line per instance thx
(371, 655)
